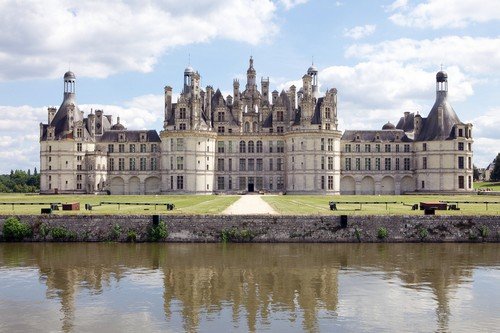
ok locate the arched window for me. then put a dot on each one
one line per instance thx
(251, 147)
(247, 127)
(242, 147)
(259, 146)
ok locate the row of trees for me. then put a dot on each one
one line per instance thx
(495, 174)
(20, 181)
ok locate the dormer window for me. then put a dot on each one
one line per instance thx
(121, 137)
(143, 137)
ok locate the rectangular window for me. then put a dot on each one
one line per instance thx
(242, 164)
(132, 164)
(280, 147)
(121, 148)
(221, 129)
(423, 184)
(424, 146)
(279, 164)
(180, 144)
(347, 148)
(387, 164)
(270, 164)
(111, 164)
(322, 162)
(270, 146)
(322, 182)
(358, 148)
(348, 163)
(368, 148)
(407, 163)
(330, 182)
(143, 148)
(279, 116)
(270, 183)
(460, 162)
(230, 146)
(78, 147)
(368, 164)
(243, 183)
(322, 147)
(220, 164)
(143, 164)
(171, 182)
(220, 146)
(377, 148)
(260, 164)
(330, 145)
(220, 116)
(387, 148)
(279, 129)
(111, 148)
(180, 163)
(424, 163)
(220, 183)
(358, 164)
(461, 184)
(180, 182)
(131, 148)
(251, 164)
(121, 164)
(397, 163)
(407, 148)
(229, 183)
(377, 164)
(330, 162)
(154, 148)
(469, 162)
(470, 182)
(397, 148)
(230, 164)
(460, 146)
(154, 163)
(279, 183)
(460, 132)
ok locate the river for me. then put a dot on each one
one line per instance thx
(109, 287)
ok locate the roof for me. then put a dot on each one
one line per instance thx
(316, 118)
(69, 75)
(371, 136)
(66, 112)
(406, 123)
(130, 136)
(388, 126)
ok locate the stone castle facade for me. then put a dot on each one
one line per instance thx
(254, 140)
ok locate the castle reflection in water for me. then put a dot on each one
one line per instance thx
(252, 281)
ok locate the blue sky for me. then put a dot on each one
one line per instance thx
(382, 57)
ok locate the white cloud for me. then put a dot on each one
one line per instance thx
(360, 31)
(444, 13)
(103, 38)
(289, 4)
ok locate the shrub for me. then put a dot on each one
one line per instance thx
(382, 233)
(115, 232)
(158, 232)
(484, 231)
(236, 236)
(14, 230)
(131, 236)
(357, 233)
(423, 233)
(62, 234)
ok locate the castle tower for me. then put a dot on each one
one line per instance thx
(313, 73)
(251, 74)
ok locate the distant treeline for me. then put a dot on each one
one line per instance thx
(20, 181)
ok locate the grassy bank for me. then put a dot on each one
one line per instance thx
(493, 186)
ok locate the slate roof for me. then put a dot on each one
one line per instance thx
(371, 136)
(435, 129)
(130, 136)
(406, 123)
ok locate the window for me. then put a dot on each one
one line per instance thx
(470, 182)
(270, 146)
(460, 134)
(182, 127)
(171, 182)
(397, 148)
(469, 145)
(322, 162)
(78, 177)
(327, 126)
(111, 164)
(229, 183)
(50, 149)
(111, 148)
(330, 145)
(180, 182)
(279, 116)
(460, 162)
(279, 183)
(242, 183)
(270, 164)
(242, 164)
(180, 163)
(78, 132)
(270, 183)
(220, 116)
(132, 164)
(259, 183)
(154, 146)
(347, 148)
(121, 148)
(280, 147)
(328, 114)
(460, 146)
(377, 148)
(368, 148)
(358, 164)
(251, 147)
(407, 148)
(322, 182)
(279, 129)
(358, 148)
(279, 164)
(182, 113)
(368, 163)
(469, 163)
(220, 183)
(78, 147)
(397, 163)
(78, 158)
(230, 164)
(406, 162)
(221, 129)
(142, 162)
(387, 164)
(154, 163)
(220, 146)
(424, 146)
(330, 162)
(330, 182)
(259, 146)
(243, 146)
(322, 147)
(143, 148)
(424, 162)
(121, 164)
(251, 164)
(259, 164)
(387, 148)
(348, 163)
(423, 184)
(377, 164)
(220, 164)
(461, 184)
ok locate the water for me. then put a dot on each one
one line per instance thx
(249, 287)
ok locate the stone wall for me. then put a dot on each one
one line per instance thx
(217, 228)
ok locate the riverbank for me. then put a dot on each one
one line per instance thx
(257, 228)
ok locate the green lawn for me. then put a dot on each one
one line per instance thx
(494, 186)
(184, 204)
(318, 205)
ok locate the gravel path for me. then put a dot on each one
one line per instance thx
(249, 204)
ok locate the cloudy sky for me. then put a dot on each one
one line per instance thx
(382, 56)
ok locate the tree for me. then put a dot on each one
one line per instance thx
(495, 174)
(35, 172)
(475, 173)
